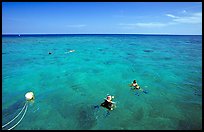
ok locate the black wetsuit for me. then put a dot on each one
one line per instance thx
(106, 104)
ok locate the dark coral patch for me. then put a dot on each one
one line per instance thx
(148, 51)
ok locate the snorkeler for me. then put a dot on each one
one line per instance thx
(69, 51)
(135, 85)
(108, 103)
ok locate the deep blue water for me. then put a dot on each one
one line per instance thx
(67, 85)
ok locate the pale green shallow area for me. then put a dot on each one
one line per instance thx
(67, 86)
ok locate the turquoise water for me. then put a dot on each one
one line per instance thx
(67, 86)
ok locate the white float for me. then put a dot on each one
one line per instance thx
(29, 96)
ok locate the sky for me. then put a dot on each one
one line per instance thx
(180, 18)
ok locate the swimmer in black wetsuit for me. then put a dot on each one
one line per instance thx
(108, 103)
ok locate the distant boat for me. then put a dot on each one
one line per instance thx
(19, 35)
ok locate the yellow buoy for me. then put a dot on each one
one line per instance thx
(29, 96)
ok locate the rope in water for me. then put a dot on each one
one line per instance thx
(14, 117)
(20, 119)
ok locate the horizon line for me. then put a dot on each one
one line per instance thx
(94, 34)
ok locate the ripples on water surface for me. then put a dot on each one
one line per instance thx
(67, 86)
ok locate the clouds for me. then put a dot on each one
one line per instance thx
(184, 11)
(146, 25)
(170, 15)
(186, 18)
(193, 18)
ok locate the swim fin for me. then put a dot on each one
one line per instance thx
(145, 91)
(136, 93)
(108, 113)
(96, 107)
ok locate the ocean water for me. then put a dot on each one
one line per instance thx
(67, 85)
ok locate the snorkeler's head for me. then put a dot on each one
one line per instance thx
(134, 81)
(109, 97)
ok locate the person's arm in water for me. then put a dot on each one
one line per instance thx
(131, 84)
(110, 101)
